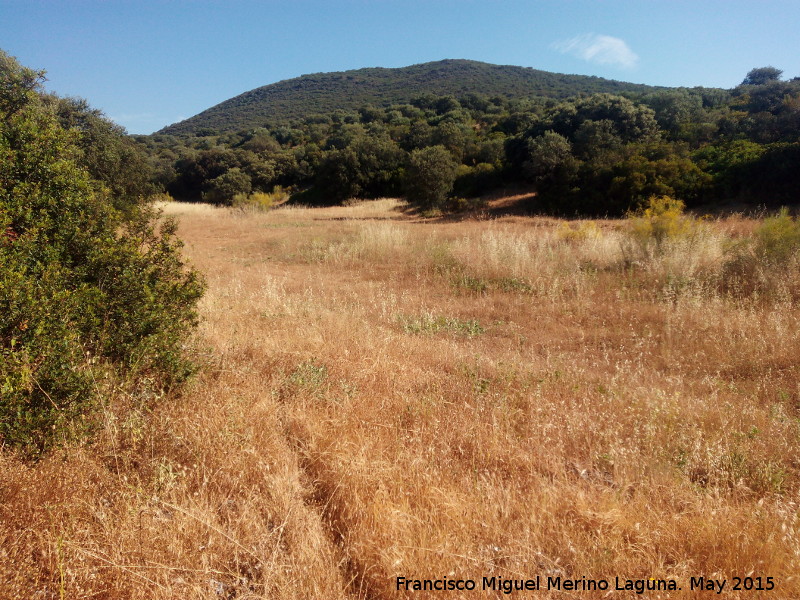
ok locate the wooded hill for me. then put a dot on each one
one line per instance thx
(323, 93)
(589, 152)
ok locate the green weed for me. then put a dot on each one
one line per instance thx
(429, 324)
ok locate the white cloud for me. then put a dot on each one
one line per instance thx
(599, 49)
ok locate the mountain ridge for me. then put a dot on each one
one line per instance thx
(325, 92)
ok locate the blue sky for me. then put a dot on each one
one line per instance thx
(147, 64)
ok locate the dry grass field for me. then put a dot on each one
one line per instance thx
(384, 396)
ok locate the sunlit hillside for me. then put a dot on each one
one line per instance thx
(322, 93)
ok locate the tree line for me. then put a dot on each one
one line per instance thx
(592, 154)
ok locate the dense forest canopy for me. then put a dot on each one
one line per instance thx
(584, 152)
(323, 93)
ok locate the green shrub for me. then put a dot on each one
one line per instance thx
(767, 264)
(88, 295)
(224, 188)
(578, 232)
(260, 201)
(778, 238)
(429, 324)
(430, 177)
(161, 198)
(657, 222)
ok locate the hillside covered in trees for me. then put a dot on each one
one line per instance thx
(323, 93)
(590, 153)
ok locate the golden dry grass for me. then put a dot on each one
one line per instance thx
(384, 396)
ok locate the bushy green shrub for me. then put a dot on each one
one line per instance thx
(88, 294)
(223, 189)
(260, 201)
(430, 177)
(658, 221)
(778, 238)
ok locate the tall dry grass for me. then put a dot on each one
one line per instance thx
(386, 397)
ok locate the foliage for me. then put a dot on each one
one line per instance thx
(674, 109)
(766, 264)
(584, 153)
(364, 167)
(429, 324)
(112, 159)
(430, 177)
(660, 220)
(778, 237)
(580, 232)
(630, 122)
(762, 75)
(616, 182)
(773, 178)
(224, 188)
(260, 201)
(766, 173)
(324, 93)
(16, 84)
(549, 154)
(475, 181)
(86, 291)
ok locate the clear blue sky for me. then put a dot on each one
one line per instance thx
(147, 64)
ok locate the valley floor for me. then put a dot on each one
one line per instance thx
(384, 396)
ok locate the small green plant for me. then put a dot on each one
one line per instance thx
(429, 324)
(463, 281)
(309, 374)
(514, 284)
(443, 261)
